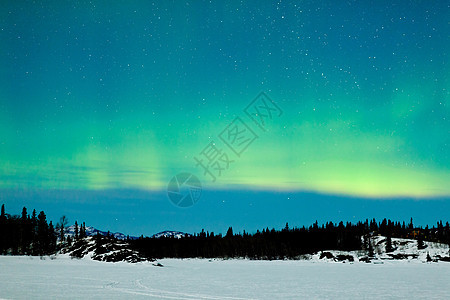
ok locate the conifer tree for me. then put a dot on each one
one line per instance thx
(43, 240)
(3, 214)
(411, 226)
(229, 232)
(370, 250)
(84, 229)
(62, 237)
(61, 227)
(2, 230)
(33, 222)
(389, 244)
(24, 213)
(25, 236)
(51, 238)
(76, 230)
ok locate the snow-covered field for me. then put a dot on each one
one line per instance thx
(66, 278)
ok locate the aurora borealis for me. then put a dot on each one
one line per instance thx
(99, 96)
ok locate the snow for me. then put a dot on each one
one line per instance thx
(409, 247)
(174, 234)
(31, 277)
(406, 248)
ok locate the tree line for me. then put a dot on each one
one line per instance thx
(288, 242)
(26, 234)
(33, 235)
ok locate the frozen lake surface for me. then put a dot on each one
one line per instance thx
(64, 278)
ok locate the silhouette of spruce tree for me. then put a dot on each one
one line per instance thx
(3, 230)
(43, 240)
(76, 230)
(229, 232)
(420, 244)
(25, 232)
(389, 247)
(60, 226)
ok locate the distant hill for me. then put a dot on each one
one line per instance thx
(91, 231)
(169, 234)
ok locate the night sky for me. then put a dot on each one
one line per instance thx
(102, 103)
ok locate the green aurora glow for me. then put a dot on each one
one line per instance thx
(104, 96)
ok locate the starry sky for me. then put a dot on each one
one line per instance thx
(103, 102)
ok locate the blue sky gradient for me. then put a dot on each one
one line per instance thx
(102, 103)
